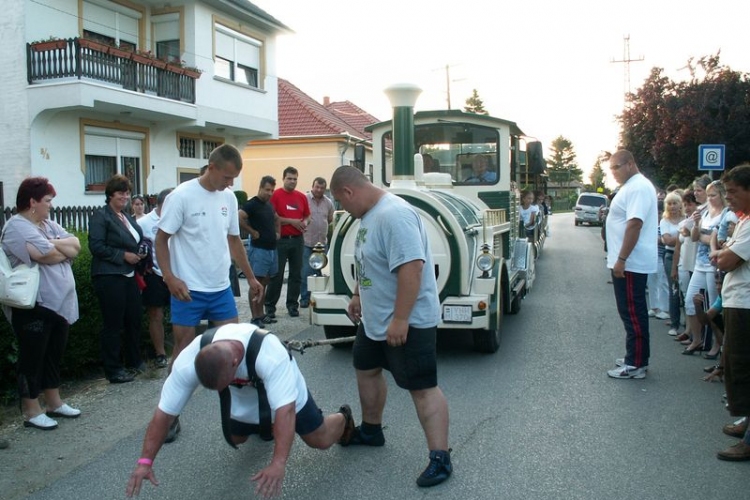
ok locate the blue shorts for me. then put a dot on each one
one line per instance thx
(309, 418)
(213, 306)
(264, 263)
(413, 365)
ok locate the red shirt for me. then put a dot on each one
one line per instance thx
(291, 206)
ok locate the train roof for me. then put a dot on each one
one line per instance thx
(449, 114)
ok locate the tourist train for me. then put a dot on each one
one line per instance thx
(462, 172)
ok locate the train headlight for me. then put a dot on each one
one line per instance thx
(485, 261)
(318, 259)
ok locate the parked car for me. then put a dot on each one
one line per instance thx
(591, 208)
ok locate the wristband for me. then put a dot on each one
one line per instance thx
(145, 461)
(620, 258)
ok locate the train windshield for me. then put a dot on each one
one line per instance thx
(469, 153)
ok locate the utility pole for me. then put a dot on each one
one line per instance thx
(626, 60)
(448, 82)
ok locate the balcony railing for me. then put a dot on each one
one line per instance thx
(83, 58)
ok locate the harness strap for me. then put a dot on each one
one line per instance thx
(264, 408)
(225, 397)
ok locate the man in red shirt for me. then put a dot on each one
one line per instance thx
(294, 214)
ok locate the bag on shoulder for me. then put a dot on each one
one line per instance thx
(18, 285)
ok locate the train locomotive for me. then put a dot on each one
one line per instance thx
(463, 183)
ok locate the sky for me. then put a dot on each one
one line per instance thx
(546, 65)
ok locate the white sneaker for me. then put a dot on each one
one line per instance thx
(662, 315)
(651, 313)
(65, 411)
(42, 422)
(626, 371)
(672, 332)
(621, 362)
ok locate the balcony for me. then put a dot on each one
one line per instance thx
(82, 58)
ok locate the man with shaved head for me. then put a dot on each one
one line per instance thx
(222, 364)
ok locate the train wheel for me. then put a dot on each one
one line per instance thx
(337, 332)
(488, 341)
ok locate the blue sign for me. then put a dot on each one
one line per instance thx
(711, 156)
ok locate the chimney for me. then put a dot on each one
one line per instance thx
(326, 101)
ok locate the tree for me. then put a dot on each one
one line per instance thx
(475, 105)
(562, 163)
(666, 121)
(597, 176)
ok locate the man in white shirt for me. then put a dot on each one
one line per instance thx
(632, 232)
(223, 364)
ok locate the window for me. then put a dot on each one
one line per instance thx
(237, 56)
(469, 153)
(195, 147)
(112, 22)
(167, 36)
(109, 152)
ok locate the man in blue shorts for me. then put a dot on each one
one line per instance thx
(259, 219)
(399, 310)
(198, 237)
(221, 364)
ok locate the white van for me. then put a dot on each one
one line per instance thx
(591, 208)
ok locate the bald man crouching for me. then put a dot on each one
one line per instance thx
(222, 364)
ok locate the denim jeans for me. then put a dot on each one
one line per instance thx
(674, 291)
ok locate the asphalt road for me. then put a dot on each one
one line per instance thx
(539, 419)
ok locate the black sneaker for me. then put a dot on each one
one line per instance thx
(293, 312)
(258, 322)
(268, 319)
(359, 437)
(174, 429)
(161, 361)
(271, 314)
(438, 470)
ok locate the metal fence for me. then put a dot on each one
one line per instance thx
(76, 218)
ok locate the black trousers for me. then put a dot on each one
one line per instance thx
(120, 302)
(42, 335)
(290, 249)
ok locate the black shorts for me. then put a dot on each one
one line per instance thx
(156, 293)
(413, 365)
(309, 418)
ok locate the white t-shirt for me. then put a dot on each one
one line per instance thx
(667, 227)
(199, 222)
(702, 260)
(736, 290)
(150, 225)
(688, 248)
(281, 376)
(636, 199)
(526, 214)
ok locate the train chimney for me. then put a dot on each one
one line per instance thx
(403, 96)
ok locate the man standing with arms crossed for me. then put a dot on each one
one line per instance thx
(632, 232)
(735, 295)
(321, 215)
(198, 237)
(258, 218)
(294, 214)
(399, 309)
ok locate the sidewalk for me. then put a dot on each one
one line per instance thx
(110, 413)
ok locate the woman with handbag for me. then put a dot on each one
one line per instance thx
(114, 241)
(30, 237)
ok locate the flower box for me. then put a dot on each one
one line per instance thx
(48, 45)
(192, 73)
(159, 63)
(175, 69)
(94, 45)
(122, 53)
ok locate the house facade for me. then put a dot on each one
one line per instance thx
(138, 87)
(316, 138)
